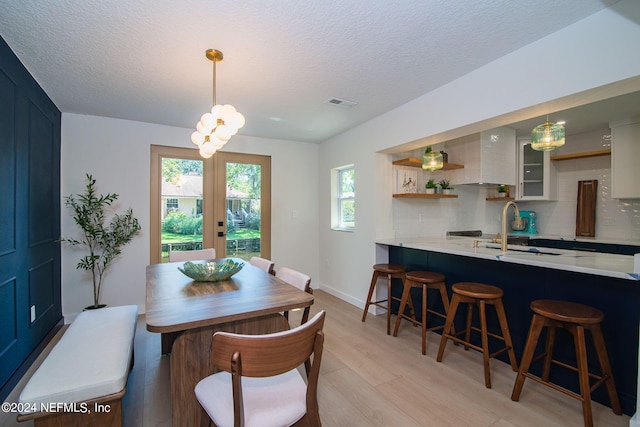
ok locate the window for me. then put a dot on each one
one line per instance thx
(343, 200)
(172, 205)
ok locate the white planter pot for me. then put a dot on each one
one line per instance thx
(430, 190)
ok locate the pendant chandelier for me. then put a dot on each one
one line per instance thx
(547, 136)
(431, 160)
(216, 128)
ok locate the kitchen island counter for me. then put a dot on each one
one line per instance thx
(594, 263)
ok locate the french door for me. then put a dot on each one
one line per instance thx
(223, 202)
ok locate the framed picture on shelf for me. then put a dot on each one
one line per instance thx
(406, 181)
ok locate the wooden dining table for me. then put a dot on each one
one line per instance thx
(187, 313)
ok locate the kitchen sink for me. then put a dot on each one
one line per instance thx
(532, 250)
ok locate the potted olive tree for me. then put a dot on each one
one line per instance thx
(102, 240)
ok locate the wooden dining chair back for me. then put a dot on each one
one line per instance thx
(263, 264)
(300, 281)
(195, 255)
(258, 383)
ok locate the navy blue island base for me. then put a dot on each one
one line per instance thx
(618, 299)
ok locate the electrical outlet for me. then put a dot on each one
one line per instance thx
(33, 313)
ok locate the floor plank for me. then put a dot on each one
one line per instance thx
(369, 378)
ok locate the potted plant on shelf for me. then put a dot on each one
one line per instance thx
(502, 190)
(446, 186)
(431, 186)
(103, 241)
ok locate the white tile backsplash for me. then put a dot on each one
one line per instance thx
(615, 219)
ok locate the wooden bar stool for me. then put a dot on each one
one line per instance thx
(480, 294)
(576, 318)
(426, 280)
(391, 271)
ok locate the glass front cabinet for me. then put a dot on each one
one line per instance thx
(536, 173)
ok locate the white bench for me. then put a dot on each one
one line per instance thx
(83, 379)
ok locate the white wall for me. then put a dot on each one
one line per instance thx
(508, 84)
(117, 154)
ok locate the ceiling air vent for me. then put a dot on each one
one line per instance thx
(345, 103)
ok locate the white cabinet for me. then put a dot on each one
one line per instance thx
(625, 154)
(488, 157)
(536, 174)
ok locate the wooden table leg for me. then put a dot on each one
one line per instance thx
(190, 362)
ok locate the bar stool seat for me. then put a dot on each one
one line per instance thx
(426, 280)
(576, 318)
(481, 295)
(390, 271)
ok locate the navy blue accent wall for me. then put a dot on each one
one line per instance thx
(619, 299)
(30, 126)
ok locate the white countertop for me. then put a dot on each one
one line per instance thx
(601, 264)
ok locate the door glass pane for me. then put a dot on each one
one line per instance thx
(243, 210)
(181, 206)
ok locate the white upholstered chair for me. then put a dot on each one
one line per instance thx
(195, 255)
(258, 383)
(300, 281)
(263, 264)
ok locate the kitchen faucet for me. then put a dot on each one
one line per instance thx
(517, 220)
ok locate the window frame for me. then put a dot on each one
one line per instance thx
(338, 199)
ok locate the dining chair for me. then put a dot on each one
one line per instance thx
(195, 255)
(263, 264)
(300, 281)
(258, 382)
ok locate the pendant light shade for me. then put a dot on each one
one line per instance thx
(431, 160)
(547, 136)
(215, 128)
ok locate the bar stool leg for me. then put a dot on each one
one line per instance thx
(448, 325)
(605, 366)
(388, 304)
(583, 373)
(502, 319)
(548, 352)
(406, 298)
(424, 319)
(534, 334)
(374, 279)
(467, 335)
(485, 342)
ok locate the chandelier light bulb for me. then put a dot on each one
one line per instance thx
(197, 138)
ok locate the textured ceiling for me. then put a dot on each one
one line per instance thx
(144, 59)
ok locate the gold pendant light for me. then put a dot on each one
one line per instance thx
(216, 128)
(547, 136)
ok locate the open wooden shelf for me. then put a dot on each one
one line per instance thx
(582, 155)
(497, 199)
(417, 163)
(425, 196)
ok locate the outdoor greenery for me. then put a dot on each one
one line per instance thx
(181, 227)
(104, 241)
(180, 223)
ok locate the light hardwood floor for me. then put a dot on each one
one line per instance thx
(371, 379)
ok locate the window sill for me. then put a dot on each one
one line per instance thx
(350, 230)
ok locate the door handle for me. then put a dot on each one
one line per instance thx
(220, 233)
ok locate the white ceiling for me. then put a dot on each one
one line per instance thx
(144, 60)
